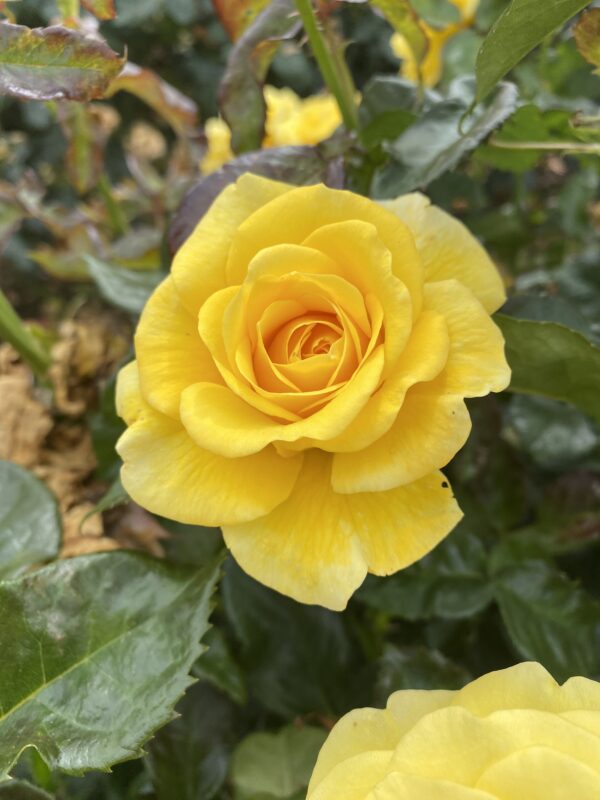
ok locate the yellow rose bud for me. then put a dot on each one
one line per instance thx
(510, 735)
(300, 378)
(432, 64)
(290, 121)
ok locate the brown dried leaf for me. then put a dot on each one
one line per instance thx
(587, 36)
(236, 15)
(24, 419)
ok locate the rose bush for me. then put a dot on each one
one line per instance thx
(300, 380)
(510, 735)
(290, 120)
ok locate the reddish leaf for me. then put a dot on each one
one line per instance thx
(236, 15)
(54, 64)
(587, 36)
(103, 9)
(178, 110)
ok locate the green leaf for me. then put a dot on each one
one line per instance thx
(219, 667)
(189, 758)
(440, 138)
(30, 529)
(416, 667)
(553, 434)
(242, 102)
(387, 108)
(54, 64)
(549, 619)
(523, 26)
(276, 764)
(438, 13)
(554, 361)
(125, 288)
(297, 658)
(96, 651)
(21, 790)
(450, 583)
(13, 330)
(587, 36)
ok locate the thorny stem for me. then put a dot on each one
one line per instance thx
(335, 76)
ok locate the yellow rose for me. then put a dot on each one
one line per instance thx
(431, 66)
(510, 735)
(300, 380)
(290, 121)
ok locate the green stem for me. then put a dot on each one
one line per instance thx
(572, 147)
(336, 80)
(14, 331)
(118, 220)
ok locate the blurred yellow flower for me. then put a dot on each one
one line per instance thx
(432, 64)
(510, 735)
(300, 380)
(290, 121)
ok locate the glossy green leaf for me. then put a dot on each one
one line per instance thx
(219, 667)
(450, 583)
(278, 765)
(189, 758)
(30, 529)
(242, 102)
(552, 360)
(124, 288)
(315, 670)
(553, 434)
(96, 652)
(522, 26)
(416, 667)
(440, 138)
(54, 63)
(549, 619)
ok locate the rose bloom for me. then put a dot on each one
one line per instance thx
(300, 378)
(510, 735)
(290, 121)
(431, 66)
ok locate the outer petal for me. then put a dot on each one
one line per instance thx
(428, 432)
(199, 266)
(170, 353)
(359, 731)
(400, 526)
(308, 547)
(544, 773)
(316, 546)
(354, 778)
(476, 363)
(449, 250)
(165, 472)
(408, 787)
(453, 730)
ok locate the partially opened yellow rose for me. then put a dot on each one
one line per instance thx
(300, 378)
(432, 65)
(290, 120)
(510, 735)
